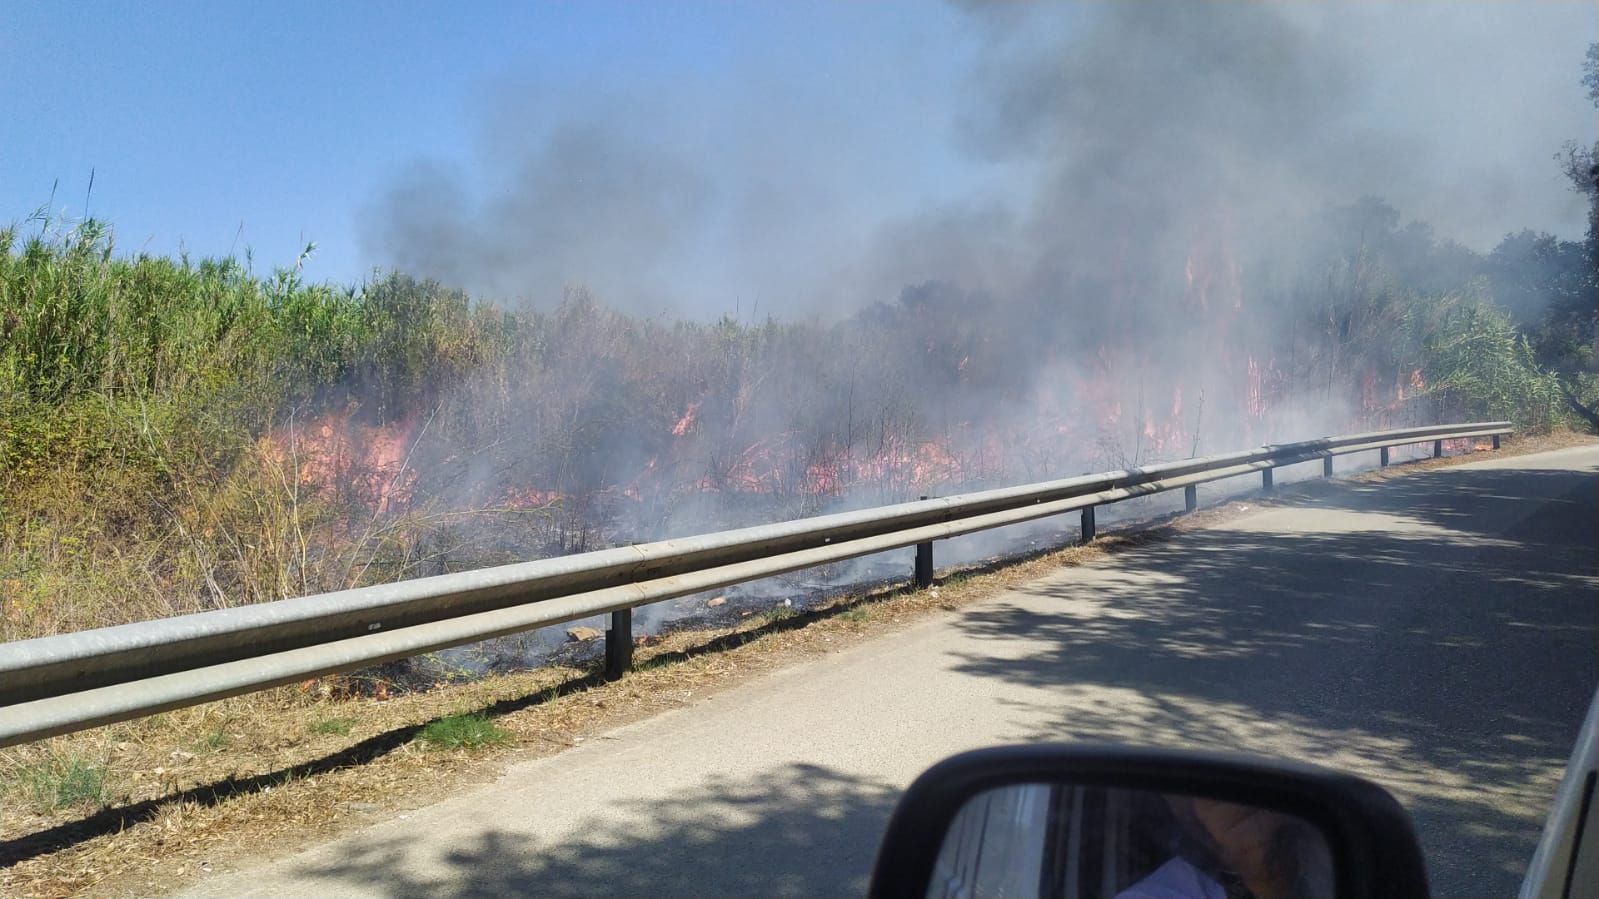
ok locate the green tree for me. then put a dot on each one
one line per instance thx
(1569, 336)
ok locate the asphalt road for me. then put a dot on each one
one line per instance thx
(1437, 632)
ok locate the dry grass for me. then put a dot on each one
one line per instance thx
(210, 787)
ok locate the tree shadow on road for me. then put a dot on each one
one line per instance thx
(1450, 658)
(802, 830)
(1536, 501)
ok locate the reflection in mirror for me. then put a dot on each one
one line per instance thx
(1062, 841)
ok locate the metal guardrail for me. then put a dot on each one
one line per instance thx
(55, 685)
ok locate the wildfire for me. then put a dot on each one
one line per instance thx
(1130, 400)
(529, 498)
(923, 465)
(337, 457)
(1210, 273)
(686, 423)
(1374, 402)
(1255, 400)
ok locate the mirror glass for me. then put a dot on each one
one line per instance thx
(1065, 841)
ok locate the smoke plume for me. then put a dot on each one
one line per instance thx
(1123, 232)
(1088, 142)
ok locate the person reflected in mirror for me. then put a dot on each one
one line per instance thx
(1222, 850)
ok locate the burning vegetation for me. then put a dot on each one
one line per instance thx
(415, 432)
(1184, 252)
(177, 436)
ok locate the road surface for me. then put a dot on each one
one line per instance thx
(1437, 632)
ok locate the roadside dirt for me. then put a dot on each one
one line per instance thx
(211, 788)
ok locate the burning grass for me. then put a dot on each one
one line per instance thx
(176, 438)
(145, 806)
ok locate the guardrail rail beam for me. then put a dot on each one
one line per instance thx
(59, 684)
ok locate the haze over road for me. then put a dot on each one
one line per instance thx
(1437, 632)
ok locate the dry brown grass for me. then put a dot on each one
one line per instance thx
(210, 787)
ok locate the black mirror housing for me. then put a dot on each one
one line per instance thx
(1373, 848)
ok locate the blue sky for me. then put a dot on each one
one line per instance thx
(288, 118)
(293, 121)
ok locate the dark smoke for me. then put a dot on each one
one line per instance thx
(586, 201)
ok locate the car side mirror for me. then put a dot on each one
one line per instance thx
(1070, 821)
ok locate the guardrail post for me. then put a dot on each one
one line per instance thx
(619, 644)
(924, 565)
(923, 575)
(1190, 498)
(1326, 466)
(1437, 449)
(1496, 441)
(1384, 457)
(1088, 525)
(1265, 479)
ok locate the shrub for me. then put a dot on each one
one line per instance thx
(1480, 367)
(336, 726)
(463, 732)
(55, 782)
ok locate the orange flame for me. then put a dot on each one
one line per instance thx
(686, 423)
(338, 458)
